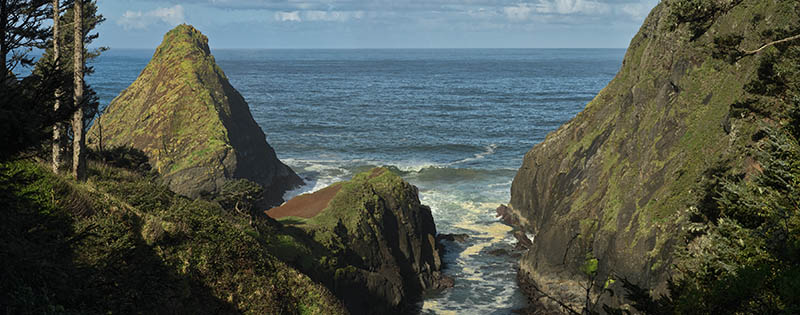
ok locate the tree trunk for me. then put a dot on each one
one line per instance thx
(57, 128)
(3, 38)
(78, 138)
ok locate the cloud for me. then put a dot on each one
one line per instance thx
(318, 15)
(333, 16)
(293, 16)
(584, 7)
(141, 20)
(520, 12)
(405, 13)
(638, 11)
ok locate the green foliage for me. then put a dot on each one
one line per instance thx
(91, 19)
(122, 157)
(742, 248)
(142, 249)
(22, 32)
(727, 48)
(697, 14)
(26, 112)
(240, 195)
(778, 73)
(589, 266)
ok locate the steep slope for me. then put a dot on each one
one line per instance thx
(121, 244)
(617, 181)
(372, 242)
(194, 126)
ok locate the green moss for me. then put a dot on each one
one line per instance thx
(182, 122)
(349, 206)
(667, 114)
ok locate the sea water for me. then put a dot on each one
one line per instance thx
(455, 123)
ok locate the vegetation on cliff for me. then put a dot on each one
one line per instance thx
(679, 128)
(372, 243)
(741, 249)
(123, 244)
(195, 127)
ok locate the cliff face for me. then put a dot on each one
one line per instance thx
(617, 180)
(380, 242)
(194, 126)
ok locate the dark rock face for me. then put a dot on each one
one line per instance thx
(616, 180)
(385, 241)
(194, 126)
(460, 238)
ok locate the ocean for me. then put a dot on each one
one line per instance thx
(455, 123)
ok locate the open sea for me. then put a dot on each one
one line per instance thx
(456, 123)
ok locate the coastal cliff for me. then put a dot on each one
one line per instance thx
(368, 240)
(371, 240)
(617, 182)
(194, 126)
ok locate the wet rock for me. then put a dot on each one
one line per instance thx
(460, 238)
(498, 252)
(522, 240)
(507, 216)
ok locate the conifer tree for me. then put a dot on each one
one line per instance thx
(20, 31)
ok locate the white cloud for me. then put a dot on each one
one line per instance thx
(587, 7)
(333, 16)
(141, 20)
(520, 12)
(318, 15)
(638, 11)
(524, 11)
(293, 16)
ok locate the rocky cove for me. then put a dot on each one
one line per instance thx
(481, 260)
(660, 179)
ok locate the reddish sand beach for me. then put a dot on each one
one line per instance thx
(306, 205)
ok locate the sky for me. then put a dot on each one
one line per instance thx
(378, 23)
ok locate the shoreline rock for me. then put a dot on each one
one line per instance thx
(382, 239)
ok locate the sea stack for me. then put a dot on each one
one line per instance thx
(193, 125)
(378, 240)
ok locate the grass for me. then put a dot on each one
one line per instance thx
(121, 243)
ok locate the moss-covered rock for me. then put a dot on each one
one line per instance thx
(194, 126)
(379, 249)
(617, 180)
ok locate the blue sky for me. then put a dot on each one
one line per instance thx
(378, 23)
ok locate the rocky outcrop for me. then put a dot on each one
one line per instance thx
(617, 180)
(194, 126)
(383, 241)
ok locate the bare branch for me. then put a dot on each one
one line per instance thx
(562, 304)
(753, 52)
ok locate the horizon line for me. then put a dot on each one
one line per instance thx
(377, 48)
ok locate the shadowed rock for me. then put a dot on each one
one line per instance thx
(617, 179)
(383, 240)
